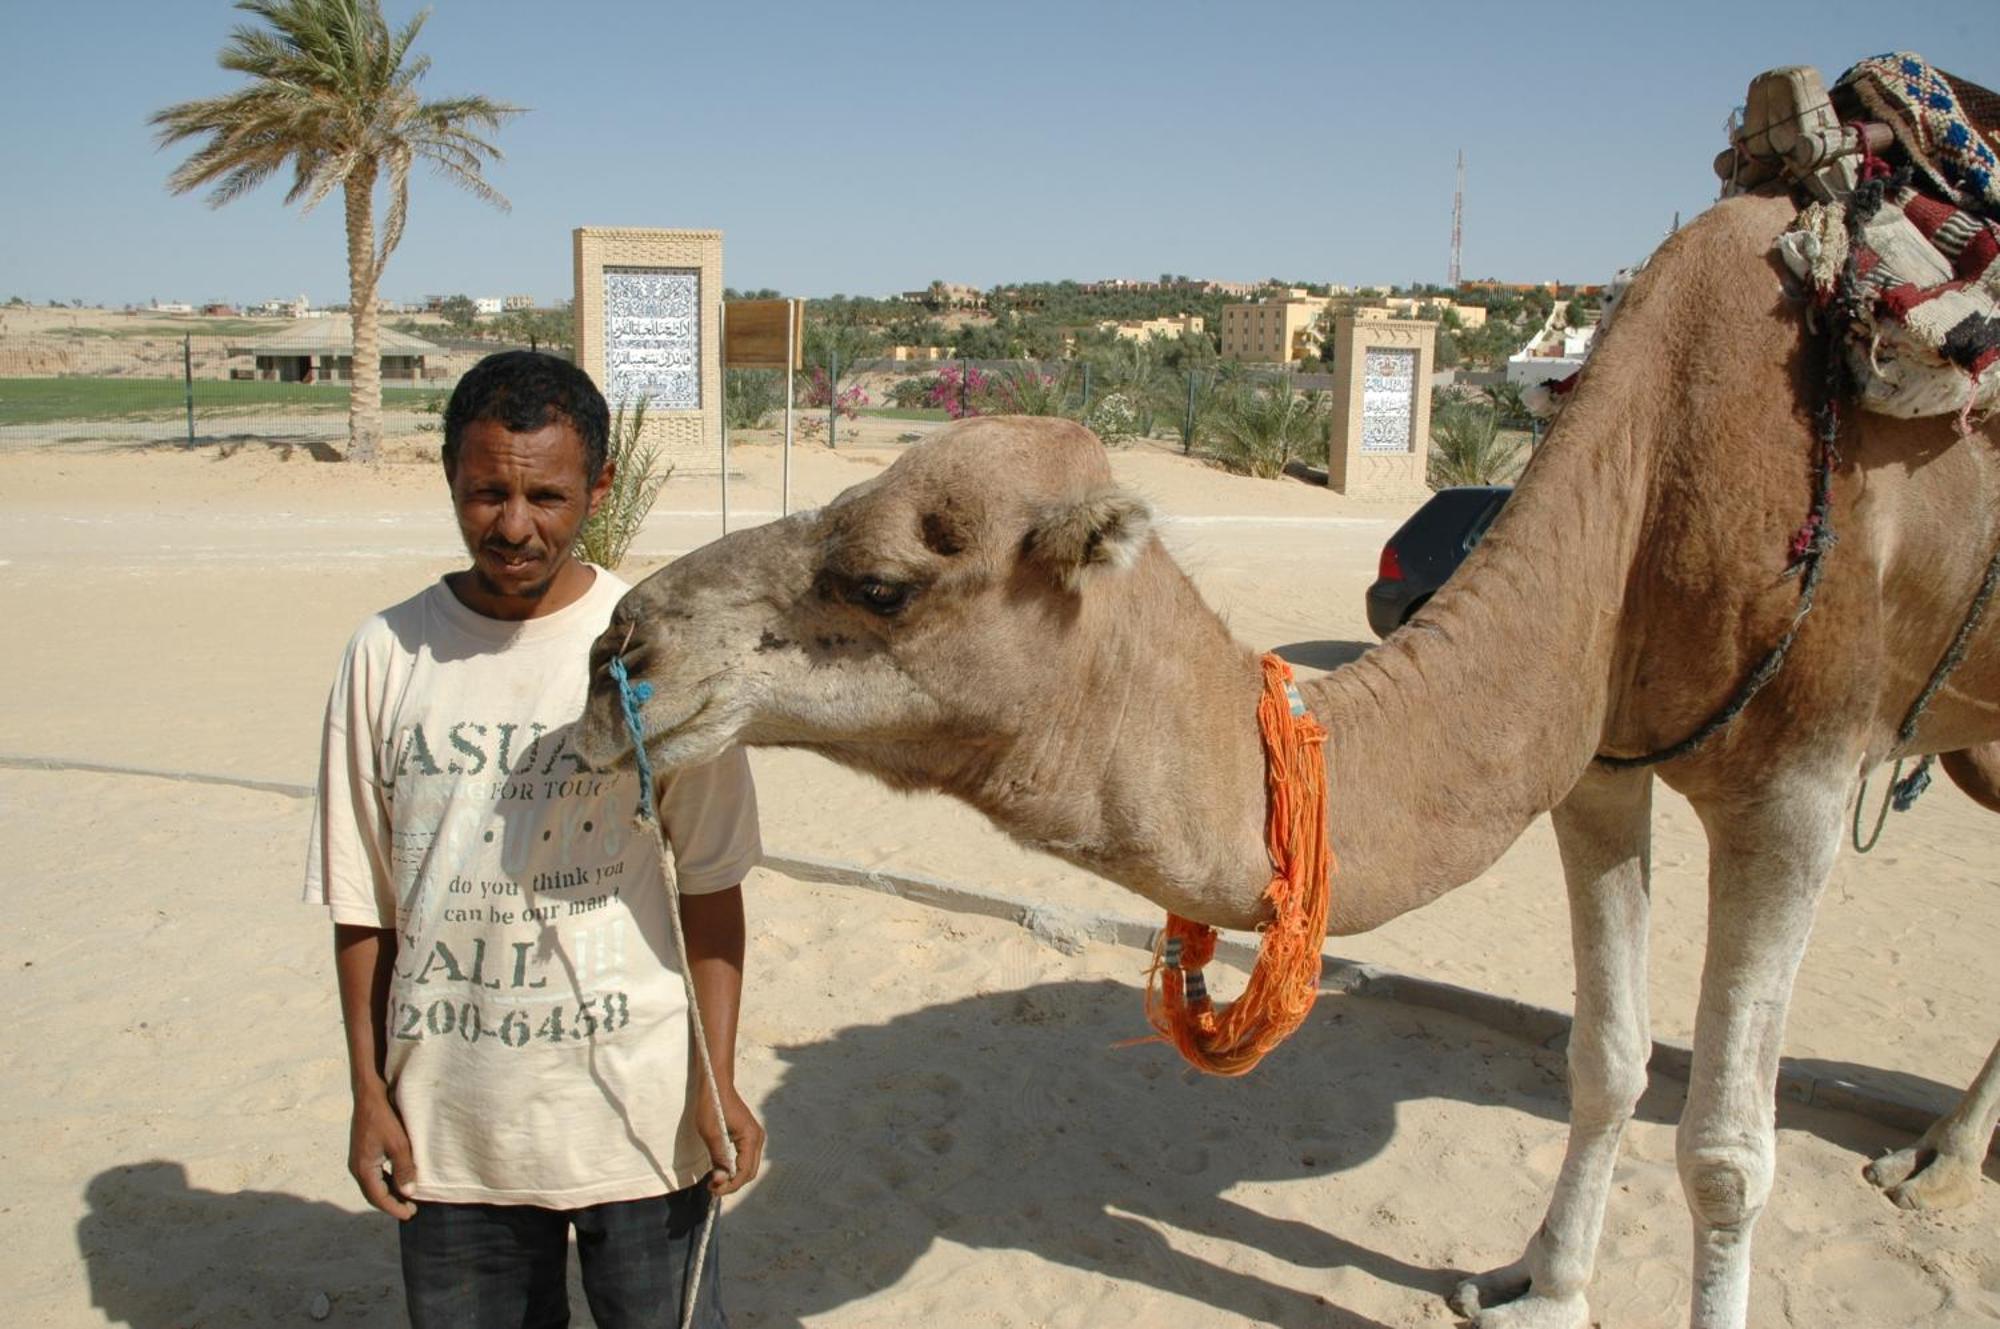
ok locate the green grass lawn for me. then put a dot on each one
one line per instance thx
(905, 412)
(33, 401)
(234, 328)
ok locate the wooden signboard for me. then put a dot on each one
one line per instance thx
(754, 333)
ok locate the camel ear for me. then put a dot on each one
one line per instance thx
(1108, 528)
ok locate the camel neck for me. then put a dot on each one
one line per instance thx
(1152, 771)
(1450, 737)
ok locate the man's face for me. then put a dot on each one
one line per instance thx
(520, 499)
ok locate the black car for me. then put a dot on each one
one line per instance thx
(1427, 549)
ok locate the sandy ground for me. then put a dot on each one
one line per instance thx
(956, 1139)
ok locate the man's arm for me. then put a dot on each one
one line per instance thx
(714, 928)
(363, 960)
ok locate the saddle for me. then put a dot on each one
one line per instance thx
(1898, 172)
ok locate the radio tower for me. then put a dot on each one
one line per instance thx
(1457, 218)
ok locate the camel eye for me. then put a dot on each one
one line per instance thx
(881, 597)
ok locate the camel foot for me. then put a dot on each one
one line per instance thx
(1922, 1177)
(1502, 1299)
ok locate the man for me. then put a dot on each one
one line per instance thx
(517, 1033)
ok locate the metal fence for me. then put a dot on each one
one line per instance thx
(1227, 412)
(1162, 403)
(160, 387)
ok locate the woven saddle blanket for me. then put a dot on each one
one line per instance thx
(1904, 251)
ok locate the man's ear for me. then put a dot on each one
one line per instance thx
(1107, 528)
(601, 490)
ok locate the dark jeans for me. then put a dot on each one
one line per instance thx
(503, 1266)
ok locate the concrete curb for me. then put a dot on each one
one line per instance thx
(1068, 930)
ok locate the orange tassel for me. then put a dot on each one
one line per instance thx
(1285, 981)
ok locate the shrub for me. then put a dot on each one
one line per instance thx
(1029, 391)
(749, 396)
(820, 394)
(1468, 447)
(960, 394)
(1113, 419)
(911, 393)
(1258, 429)
(634, 485)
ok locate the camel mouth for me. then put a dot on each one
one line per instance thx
(605, 742)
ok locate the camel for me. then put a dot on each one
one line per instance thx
(992, 617)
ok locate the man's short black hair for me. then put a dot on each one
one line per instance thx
(525, 391)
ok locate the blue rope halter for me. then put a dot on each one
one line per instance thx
(630, 697)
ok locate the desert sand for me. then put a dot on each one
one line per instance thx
(957, 1136)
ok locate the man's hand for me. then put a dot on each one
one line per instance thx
(378, 1139)
(744, 1131)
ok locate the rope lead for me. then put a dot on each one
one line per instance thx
(630, 697)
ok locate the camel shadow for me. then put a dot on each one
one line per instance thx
(934, 1126)
(161, 1254)
(1326, 655)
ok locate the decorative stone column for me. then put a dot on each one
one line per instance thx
(1380, 444)
(648, 314)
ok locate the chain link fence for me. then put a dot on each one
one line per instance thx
(1261, 420)
(156, 385)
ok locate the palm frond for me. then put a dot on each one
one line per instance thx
(636, 481)
(1260, 428)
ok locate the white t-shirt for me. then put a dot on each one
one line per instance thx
(537, 1039)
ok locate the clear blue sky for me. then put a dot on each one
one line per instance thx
(867, 148)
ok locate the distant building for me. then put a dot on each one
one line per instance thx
(1433, 307)
(486, 304)
(322, 351)
(1272, 331)
(1512, 287)
(171, 307)
(948, 295)
(1554, 354)
(296, 307)
(218, 309)
(1558, 350)
(1145, 329)
(512, 302)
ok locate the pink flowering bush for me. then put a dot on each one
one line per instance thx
(960, 396)
(818, 394)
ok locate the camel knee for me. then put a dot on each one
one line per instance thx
(1726, 1185)
(1605, 1084)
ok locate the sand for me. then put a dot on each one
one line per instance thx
(956, 1137)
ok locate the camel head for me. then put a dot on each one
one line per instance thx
(915, 627)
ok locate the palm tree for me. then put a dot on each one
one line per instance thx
(333, 94)
(1259, 429)
(1468, 447)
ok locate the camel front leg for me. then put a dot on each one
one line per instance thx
(1768, 863)
(1945, 1167)
(1605, 833)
